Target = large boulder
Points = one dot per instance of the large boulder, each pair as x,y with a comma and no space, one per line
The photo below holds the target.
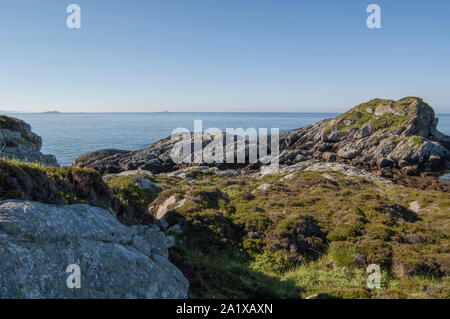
17,141
39,241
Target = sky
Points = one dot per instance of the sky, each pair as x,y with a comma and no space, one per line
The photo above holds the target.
221,55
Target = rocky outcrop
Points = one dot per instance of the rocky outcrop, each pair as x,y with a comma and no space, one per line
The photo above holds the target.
377,135
39,241
18,142
155,158
103,161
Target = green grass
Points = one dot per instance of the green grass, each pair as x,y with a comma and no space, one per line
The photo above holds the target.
324,277
359,116
417,140
54,185
318,235
130,193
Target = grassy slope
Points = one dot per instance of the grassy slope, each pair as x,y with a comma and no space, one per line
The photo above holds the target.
313,233
68,185
54,185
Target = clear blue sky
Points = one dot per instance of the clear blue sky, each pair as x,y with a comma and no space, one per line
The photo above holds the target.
221,55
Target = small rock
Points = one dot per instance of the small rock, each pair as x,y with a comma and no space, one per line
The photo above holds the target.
268,170
170,241
135,172
176,229
415,206
287,177
383,109
329,157
228,173
146,184
164,207
263,187
317,296
186,200
327,176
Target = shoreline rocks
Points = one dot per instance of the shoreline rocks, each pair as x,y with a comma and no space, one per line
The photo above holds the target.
18,142
377,136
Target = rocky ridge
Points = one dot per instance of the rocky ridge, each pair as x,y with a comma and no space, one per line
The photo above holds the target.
379,136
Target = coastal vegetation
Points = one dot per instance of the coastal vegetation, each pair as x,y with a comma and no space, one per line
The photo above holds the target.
280,236
312,233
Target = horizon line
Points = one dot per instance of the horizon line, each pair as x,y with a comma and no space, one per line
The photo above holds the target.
181,112
163,112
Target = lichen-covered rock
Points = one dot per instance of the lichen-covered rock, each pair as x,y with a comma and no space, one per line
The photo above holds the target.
377,134
17,141
163,209
39,241
157,158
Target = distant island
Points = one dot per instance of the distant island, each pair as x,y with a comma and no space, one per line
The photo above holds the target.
51,112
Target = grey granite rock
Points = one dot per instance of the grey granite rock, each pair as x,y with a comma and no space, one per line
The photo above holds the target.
377,134
39,241
18,142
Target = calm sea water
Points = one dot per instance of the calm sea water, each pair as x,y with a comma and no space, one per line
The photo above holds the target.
68,135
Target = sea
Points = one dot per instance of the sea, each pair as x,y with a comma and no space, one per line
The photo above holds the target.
67,135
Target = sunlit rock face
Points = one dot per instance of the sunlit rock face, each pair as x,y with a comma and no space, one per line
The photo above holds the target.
18,142
39,241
